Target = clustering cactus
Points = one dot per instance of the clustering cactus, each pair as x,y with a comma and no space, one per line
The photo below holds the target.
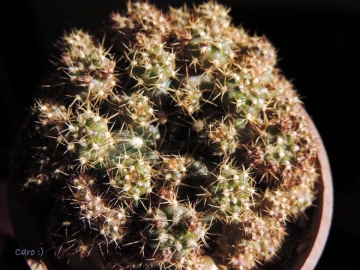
178,146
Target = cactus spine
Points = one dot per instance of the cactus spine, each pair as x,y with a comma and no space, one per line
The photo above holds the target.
181,145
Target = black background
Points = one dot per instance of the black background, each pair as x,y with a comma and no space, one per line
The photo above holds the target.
318,48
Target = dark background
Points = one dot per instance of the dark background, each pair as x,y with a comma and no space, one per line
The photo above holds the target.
318,50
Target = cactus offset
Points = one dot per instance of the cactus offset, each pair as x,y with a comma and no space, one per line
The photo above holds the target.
181,145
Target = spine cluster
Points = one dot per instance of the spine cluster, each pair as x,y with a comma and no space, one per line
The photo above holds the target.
180,145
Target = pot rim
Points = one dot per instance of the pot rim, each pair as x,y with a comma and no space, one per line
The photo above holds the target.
325,206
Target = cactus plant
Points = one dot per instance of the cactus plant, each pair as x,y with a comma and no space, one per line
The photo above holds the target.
176,143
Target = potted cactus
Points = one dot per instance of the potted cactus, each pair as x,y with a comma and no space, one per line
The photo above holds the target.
174,143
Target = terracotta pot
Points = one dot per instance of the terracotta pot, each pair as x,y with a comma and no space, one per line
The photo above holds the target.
322,213
311,229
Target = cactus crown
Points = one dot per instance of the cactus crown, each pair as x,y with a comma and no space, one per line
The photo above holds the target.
181,145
